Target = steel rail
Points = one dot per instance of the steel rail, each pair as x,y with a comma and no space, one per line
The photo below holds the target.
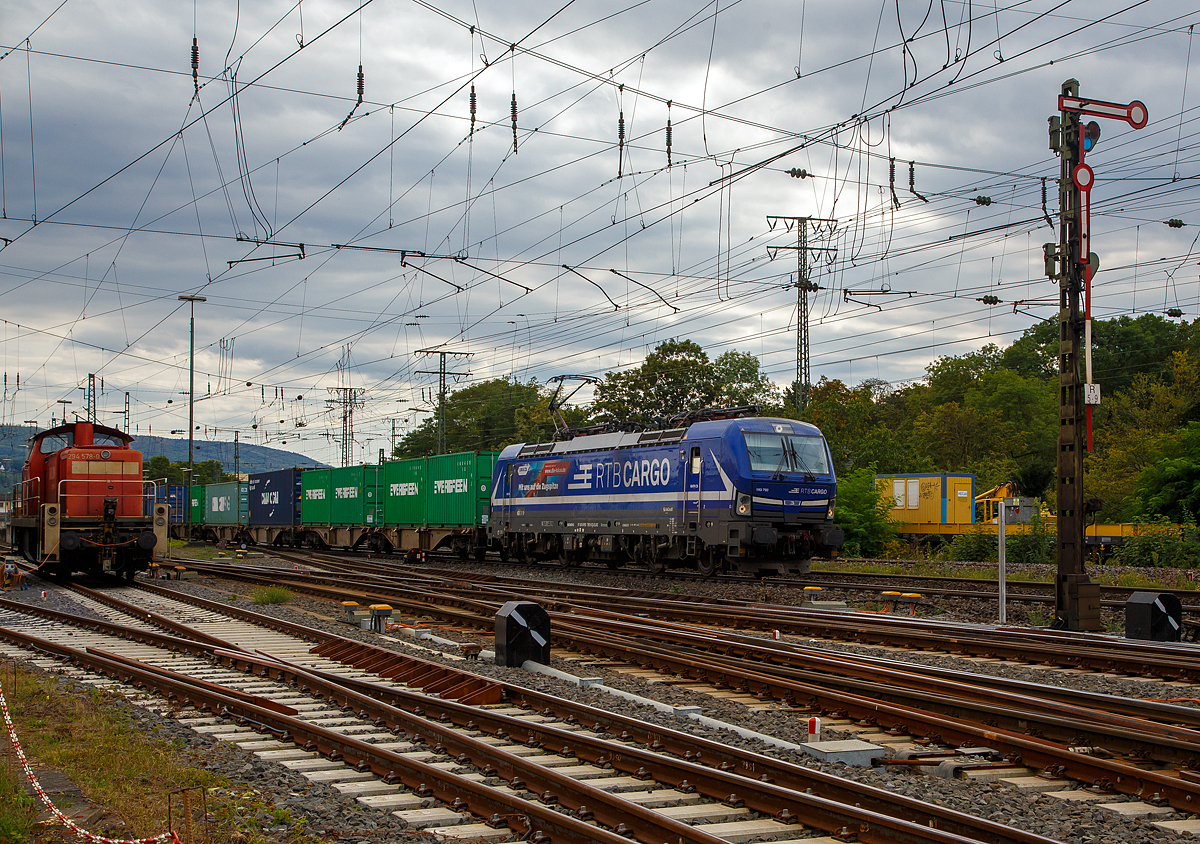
874,822
1057,718
381,703
1064,650
446,681
1049,756
717,755
423,778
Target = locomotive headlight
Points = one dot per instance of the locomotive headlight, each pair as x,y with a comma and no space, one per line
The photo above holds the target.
743,504
829,513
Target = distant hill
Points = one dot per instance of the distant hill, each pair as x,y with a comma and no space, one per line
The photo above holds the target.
253,458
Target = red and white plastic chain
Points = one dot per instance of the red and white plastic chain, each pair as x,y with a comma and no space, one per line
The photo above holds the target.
63,819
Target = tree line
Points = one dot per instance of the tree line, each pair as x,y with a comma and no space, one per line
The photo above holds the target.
992,412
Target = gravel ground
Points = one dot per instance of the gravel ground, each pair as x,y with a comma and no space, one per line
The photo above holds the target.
326,812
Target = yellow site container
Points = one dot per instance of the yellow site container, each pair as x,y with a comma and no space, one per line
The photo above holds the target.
930,498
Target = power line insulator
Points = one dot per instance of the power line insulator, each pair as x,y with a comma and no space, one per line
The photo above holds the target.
620,142
1174,312
473,104
1175,223
797,173
514,121
196,63
990,300
983,200
912,181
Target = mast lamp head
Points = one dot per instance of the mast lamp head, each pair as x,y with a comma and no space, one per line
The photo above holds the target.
1091,134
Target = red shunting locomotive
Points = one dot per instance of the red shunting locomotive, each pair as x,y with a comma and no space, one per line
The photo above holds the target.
82,505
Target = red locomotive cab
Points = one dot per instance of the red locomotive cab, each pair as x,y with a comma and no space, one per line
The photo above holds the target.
98,465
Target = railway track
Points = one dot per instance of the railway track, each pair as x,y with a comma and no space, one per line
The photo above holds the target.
873,585
1025,723
499,761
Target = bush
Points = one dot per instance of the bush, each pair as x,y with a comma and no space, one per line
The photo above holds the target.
1162,544
975,546
1035,546
270,595
864,513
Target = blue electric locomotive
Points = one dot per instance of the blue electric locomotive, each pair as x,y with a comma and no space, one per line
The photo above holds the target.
743,494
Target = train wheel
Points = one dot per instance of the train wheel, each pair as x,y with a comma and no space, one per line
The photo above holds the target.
657,566
706,563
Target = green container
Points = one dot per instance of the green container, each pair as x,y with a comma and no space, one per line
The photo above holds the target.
404,492
196,505
356,496
373,495
227,503
316,497
458,489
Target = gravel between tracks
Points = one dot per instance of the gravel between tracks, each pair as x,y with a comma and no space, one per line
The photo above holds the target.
328,813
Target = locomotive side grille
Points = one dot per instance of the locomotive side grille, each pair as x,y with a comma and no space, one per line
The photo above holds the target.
105,467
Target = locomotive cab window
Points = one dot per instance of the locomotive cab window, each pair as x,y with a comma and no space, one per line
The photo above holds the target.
99,438
777,453
55,442
696,460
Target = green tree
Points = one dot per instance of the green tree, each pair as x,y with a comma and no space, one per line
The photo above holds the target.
863,511
481,417
1135,429
1170,487
210,472
676,377
740,381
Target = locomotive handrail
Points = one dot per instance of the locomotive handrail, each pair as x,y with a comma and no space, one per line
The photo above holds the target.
20,505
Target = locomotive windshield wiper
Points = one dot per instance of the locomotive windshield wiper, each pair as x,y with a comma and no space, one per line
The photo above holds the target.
777,475
798,461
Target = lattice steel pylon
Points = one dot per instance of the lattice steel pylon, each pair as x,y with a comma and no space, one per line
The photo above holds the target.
803,383
442,374
347,398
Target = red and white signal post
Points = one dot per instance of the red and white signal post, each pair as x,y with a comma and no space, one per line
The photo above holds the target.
1072,262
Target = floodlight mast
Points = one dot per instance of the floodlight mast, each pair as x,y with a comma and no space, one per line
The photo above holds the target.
1072,263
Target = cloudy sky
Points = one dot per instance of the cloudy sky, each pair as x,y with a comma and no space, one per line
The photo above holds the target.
333,239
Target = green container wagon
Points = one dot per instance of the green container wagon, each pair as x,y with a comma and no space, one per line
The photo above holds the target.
356,496
196,505
458,489
316,496
227,503
404,492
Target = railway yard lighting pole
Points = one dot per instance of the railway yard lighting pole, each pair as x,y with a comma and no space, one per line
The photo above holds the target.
191,300
1072,263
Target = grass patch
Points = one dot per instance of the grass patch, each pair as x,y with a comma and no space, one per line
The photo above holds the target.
122,767
270,595
17,810
195,550
1134,580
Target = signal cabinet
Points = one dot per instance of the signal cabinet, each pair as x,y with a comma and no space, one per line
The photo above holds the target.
938,498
